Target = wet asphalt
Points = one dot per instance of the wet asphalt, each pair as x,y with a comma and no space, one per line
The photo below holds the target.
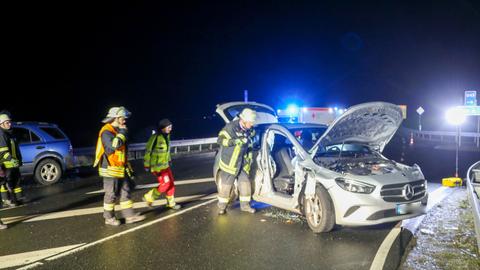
196,239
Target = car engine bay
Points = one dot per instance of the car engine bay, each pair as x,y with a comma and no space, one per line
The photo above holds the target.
358,166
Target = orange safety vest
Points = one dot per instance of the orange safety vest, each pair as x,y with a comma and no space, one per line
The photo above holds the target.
116,161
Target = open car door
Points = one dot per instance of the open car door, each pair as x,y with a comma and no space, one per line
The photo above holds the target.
230,111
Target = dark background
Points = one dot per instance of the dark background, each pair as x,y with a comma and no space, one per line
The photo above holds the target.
68,64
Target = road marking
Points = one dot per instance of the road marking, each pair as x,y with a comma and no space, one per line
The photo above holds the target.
95,210
32,256
8,208
85,246
177,183
382,252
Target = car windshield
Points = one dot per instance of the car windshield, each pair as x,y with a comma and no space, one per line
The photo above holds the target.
307,136
344,150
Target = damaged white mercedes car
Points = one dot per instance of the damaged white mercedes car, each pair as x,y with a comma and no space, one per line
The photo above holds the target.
333,175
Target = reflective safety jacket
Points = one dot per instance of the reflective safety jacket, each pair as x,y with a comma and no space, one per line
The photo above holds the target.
157,153
235,148
111,152
10,156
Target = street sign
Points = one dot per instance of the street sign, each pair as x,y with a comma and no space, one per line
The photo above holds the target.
420,110
470,110
470,98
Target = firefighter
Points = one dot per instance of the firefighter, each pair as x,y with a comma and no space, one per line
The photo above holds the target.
10,161
235,141
157,160
111,159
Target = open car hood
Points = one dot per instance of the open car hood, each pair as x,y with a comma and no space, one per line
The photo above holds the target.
229,111
372,124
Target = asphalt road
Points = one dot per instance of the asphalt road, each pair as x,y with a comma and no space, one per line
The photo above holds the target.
62,227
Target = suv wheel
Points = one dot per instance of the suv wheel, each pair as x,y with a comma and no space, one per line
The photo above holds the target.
48,171
319,211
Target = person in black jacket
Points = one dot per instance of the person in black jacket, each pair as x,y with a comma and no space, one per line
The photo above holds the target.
10,161
235,141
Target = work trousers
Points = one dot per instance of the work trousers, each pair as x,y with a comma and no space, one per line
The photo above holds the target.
225,186
10,189
117,188
166,182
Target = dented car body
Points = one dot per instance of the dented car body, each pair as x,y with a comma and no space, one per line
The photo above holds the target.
335,174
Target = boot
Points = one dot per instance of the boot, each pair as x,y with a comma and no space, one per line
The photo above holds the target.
174,207
222,208
9,203
135,218
245,206
112,221
171,203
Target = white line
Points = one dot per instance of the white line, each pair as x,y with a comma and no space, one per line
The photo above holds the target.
177,183
32,256
30,266
130,230
93,210
382,252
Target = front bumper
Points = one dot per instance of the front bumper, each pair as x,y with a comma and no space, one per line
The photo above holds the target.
354,209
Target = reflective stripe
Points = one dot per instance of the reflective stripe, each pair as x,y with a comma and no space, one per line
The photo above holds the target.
6,155
226,168
3,189
3,149
115,142
224,133
110,171
171,200
126,204
236,153
223,200
244,198
17,190
122,137
108,206
14,149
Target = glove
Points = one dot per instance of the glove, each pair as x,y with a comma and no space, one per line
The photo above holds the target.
240,141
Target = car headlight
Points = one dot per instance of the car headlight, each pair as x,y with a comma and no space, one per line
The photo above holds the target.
354,186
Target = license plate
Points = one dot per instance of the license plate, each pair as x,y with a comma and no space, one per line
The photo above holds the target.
403,209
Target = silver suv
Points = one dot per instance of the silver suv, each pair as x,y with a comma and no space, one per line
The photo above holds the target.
335,174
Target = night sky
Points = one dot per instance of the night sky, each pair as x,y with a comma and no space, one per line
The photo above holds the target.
179,59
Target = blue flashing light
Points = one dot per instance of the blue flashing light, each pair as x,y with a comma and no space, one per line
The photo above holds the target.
292,109
336,108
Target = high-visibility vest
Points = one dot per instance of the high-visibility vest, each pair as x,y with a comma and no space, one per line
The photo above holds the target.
157,153
116,161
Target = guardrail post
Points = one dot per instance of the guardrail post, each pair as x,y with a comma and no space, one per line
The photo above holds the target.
188,148
200,148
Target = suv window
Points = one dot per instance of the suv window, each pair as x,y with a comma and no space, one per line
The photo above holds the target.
25,136
53,132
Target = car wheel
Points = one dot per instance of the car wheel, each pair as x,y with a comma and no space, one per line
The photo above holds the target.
319,211
48,172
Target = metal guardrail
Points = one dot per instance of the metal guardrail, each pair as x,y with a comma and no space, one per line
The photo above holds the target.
473,188
446,136
84,156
